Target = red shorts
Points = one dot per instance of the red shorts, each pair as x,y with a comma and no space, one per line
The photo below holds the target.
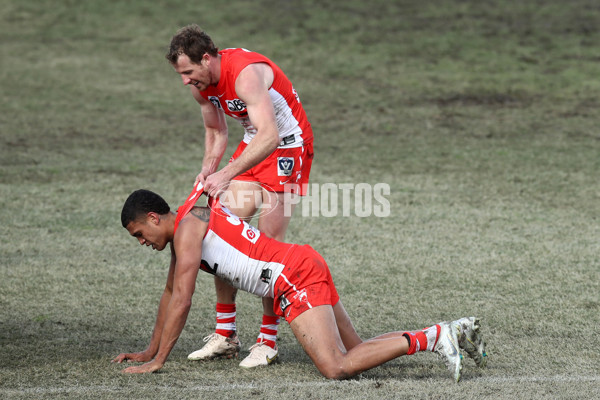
284,171
304,283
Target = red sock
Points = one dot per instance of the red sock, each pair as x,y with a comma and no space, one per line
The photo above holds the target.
268,331
422,340
225,319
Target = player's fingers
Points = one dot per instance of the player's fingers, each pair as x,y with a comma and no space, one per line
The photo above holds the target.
210,188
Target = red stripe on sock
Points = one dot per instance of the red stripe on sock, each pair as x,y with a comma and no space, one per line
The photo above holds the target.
268,331
417,338
225,308
270,320
267,342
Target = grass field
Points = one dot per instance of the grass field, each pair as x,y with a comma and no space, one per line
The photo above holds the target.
481,116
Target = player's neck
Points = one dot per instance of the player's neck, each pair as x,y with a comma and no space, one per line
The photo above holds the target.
169,220
216,69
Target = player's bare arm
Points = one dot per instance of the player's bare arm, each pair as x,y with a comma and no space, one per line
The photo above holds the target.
187,247
215,137
252,87
149,353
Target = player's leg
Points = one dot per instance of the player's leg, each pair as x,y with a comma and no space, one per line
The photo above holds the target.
241,198
277,174
275,215
273,222
345,327
317,330
318,333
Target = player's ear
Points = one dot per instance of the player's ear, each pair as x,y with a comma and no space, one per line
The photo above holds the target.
153,218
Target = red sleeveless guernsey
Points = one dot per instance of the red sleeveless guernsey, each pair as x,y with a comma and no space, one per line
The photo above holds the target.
292,124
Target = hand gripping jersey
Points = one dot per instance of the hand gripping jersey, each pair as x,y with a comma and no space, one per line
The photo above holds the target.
237,252
296,276
292,124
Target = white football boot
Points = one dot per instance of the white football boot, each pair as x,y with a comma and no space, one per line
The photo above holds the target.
217,346
260,354
471,341
447,347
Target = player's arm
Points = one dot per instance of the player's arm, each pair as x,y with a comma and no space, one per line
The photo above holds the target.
162,310
252,87
188,247
152,348
215,137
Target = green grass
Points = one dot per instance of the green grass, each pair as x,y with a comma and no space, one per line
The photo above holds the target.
482,117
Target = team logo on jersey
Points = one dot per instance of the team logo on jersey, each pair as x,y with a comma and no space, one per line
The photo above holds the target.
215,101
251,233
285,165
236,105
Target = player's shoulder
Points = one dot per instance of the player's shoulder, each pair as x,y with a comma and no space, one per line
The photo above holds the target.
193,225
201,213
240,56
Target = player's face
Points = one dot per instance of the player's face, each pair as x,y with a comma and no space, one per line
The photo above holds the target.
197,75
148,232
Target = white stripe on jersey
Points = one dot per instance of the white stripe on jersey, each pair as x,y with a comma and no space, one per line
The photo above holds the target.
238,269
287,124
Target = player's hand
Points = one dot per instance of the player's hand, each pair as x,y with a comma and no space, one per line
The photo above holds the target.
141,356
152,366
200,178
217,183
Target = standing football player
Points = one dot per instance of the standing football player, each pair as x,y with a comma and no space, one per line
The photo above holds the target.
271,163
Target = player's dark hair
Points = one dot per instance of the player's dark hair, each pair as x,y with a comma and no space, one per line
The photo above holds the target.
141,202
192,41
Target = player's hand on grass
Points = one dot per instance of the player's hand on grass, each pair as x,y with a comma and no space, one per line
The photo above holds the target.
144,368
141,356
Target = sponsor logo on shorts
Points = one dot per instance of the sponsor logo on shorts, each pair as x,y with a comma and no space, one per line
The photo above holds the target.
285,165
283,303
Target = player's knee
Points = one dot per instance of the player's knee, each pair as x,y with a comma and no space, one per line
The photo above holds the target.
335,371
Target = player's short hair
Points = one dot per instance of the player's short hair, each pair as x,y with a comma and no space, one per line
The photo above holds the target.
192,41
140,203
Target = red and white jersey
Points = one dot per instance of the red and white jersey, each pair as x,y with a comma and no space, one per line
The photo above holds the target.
238,253
292,124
